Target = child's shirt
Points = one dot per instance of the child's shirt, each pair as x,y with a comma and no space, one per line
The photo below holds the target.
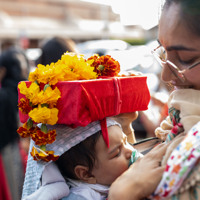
85,191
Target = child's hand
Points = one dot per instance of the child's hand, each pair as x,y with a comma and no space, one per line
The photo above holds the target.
126,119
164,129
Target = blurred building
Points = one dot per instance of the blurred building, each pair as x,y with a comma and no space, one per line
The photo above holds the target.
28,21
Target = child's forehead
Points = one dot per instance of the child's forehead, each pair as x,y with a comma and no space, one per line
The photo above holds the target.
115,130
116,136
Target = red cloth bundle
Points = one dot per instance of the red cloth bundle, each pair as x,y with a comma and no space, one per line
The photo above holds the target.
85,101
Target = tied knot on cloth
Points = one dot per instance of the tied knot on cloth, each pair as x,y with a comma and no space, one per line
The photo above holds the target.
186,102
177,126
97,113
67,137
184,112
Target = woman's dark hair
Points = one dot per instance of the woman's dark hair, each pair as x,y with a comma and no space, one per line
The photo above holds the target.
10,60
53,49
82,154
190,13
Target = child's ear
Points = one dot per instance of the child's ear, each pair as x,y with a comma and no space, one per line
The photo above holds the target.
83,174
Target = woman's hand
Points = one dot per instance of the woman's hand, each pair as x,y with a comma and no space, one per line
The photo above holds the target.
142,178
126,119
172,145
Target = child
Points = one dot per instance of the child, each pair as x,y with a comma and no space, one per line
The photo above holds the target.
87,164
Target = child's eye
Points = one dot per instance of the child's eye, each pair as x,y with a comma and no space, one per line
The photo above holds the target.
118,154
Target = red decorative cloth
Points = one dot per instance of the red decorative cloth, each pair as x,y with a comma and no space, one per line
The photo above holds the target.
85,101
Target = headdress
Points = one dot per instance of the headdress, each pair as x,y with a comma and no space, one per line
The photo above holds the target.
75,92
67,99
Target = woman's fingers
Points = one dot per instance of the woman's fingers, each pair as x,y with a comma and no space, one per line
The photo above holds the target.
142,178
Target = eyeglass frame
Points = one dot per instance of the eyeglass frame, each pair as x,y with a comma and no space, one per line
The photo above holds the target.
174,69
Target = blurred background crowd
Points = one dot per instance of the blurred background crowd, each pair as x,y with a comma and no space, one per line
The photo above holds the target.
39,31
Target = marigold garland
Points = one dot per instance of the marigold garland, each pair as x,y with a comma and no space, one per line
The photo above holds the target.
41,95
105,65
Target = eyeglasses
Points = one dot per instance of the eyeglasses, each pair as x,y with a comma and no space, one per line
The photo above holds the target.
161,56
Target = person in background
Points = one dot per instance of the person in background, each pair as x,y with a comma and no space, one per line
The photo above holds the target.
14,67
53,48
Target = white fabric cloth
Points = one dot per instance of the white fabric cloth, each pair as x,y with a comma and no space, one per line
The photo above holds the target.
53,185
88,191
188,102
66,138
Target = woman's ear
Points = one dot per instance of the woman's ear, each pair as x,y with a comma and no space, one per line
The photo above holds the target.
83,174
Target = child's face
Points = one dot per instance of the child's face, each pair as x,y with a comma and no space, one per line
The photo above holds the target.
113,161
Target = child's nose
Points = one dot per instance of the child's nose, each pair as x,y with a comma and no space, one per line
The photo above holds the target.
128,153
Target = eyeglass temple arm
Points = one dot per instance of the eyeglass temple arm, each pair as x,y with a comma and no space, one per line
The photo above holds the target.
194,65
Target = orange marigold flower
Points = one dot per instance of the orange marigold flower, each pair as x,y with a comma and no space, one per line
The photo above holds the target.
23,131
105,65
42,138
24,106
43,155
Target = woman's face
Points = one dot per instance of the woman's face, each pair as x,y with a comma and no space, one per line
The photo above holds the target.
182,47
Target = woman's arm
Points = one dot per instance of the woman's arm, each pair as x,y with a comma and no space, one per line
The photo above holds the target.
142,178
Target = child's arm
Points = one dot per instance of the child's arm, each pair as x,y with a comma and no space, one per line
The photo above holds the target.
126,119
164,129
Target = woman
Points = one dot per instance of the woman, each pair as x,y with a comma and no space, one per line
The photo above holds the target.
179,54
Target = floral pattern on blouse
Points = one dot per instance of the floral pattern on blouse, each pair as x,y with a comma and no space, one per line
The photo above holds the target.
181,162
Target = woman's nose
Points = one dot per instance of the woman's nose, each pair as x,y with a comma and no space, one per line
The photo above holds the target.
167,74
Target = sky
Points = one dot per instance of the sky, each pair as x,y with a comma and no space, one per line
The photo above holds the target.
135,12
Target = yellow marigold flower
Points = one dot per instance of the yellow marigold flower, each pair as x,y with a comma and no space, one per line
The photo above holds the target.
23,88
33,76
44,73
76,67
49,74
44,115
70,75
33,92
49,96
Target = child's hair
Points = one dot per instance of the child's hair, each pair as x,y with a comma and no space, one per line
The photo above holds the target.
82,154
